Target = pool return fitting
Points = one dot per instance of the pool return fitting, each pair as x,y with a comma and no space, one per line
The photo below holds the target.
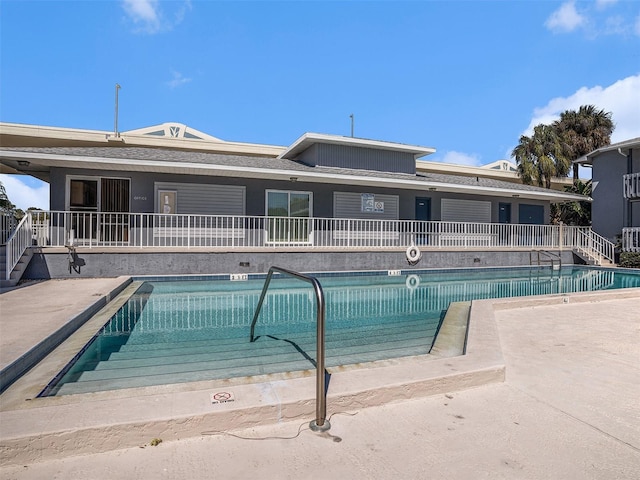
320,424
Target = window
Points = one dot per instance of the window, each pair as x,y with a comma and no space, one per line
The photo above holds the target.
291,213
83,195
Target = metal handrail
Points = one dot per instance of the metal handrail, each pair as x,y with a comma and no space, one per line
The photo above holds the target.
320,424
551,256
17,244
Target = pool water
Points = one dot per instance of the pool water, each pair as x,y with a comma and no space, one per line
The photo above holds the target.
184,331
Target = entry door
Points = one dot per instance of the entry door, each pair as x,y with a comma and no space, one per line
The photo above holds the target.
83,201
423,209
531,214
114,202
504,215
423,214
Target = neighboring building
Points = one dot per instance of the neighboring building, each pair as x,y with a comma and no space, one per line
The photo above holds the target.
616,191
152,169
499,170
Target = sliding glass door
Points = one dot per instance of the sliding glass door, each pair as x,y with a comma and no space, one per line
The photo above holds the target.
100,209
289,217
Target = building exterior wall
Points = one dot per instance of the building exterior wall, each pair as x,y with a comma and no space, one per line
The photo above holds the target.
610,211
361,158
144,192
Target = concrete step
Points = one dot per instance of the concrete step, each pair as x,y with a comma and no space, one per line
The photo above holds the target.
18,270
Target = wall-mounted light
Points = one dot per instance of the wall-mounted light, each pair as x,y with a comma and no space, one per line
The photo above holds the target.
24,163
515,196
432,189
293,179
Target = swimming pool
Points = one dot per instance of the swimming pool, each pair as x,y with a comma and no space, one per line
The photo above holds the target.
198,329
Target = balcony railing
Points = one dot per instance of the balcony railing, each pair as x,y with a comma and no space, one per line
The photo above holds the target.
631,185
147,230
631,239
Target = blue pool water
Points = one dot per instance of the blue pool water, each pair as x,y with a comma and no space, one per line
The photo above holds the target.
190,330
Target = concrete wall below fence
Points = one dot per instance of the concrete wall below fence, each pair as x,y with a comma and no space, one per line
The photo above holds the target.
46,265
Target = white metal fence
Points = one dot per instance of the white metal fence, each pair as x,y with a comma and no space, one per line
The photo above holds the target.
631,239
147,230
227,233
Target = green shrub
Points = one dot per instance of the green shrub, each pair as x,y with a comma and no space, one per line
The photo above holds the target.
630,259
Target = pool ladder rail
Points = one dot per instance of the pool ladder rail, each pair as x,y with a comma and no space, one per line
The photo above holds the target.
320,424
550,257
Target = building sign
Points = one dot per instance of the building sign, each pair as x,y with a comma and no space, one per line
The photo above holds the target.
167,201
370,205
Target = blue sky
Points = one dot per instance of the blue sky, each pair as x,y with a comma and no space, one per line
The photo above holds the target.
465,77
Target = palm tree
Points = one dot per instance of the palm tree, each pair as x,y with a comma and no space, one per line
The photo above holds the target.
583,131
541,157
574,213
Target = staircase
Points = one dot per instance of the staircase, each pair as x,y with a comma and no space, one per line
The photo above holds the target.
18,270
594,249
593,257
15,251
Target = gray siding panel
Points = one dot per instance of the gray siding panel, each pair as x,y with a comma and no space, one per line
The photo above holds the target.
203,199
349,205
340,156
455,210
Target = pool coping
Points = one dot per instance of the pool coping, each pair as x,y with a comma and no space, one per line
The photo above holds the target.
14,370
59,426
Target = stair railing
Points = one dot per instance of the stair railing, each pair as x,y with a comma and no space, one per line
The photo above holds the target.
596,246
320,424
17,244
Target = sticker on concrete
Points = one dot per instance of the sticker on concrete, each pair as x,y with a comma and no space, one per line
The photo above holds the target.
222,397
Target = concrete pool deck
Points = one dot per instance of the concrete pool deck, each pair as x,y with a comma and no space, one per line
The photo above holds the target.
567,408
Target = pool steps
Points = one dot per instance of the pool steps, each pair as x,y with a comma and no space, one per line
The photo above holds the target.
239,358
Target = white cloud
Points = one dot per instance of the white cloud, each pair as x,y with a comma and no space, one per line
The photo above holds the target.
616,25
144,14
148,17
621,99
565,19
459,158
593,19
25,196
177,80
602,4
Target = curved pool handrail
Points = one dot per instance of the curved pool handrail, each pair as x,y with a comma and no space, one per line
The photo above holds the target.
320,424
